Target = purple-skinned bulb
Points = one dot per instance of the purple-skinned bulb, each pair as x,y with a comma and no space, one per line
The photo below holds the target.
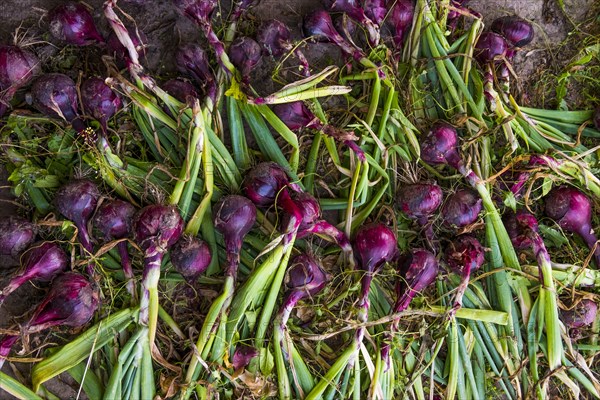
274,37
72,23
244,54
181,90
490,47
515,30
192,60
375,10
440,145
581,315
419,200
264,182
16,234
374,245
199,11
190,257
400,20
55,95
242,356
296,116
572,210
319,26
17,68
99,100
417,269
519,225
461,208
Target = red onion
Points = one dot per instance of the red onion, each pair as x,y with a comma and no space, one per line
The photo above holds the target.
192,60
77,201
274,38
198,10
233,217
99,100
264,182
417,270
419,200
113,220
72,23
71,301
245,54
440,146
319,26
374,245
242,356
516,30
461,208
16,234
490,47
17,68
190,257
464,255
519,225
375,10
181,90
401,19
356,12
55,95
581,315
572,210
41,263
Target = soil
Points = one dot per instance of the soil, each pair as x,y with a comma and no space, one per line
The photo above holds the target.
165,29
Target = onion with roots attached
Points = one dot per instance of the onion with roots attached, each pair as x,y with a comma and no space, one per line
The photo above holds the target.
417,269
72,301
77,201
99,101
16,234
40,263
55,95
191,257
264,182
572,210
461,208
17,68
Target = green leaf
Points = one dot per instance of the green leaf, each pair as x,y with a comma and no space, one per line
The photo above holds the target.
546,185
82,347
16,388
267,362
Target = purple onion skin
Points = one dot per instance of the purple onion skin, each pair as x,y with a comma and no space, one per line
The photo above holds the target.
264,182
199,11
17,68
490,47
274,37
99,100
77,201
519,225
309,212
242,356
245,54
419,200
401,19
418,269
16,234
462,208
55,95
572,210
465,255
346,26
582,315
113,220
356,12
296,116
190,257
319,26
192,60
515,30
157,227
72,23
181,90
71,301
305,277
41,263
375,10
440,145
374,245
233,217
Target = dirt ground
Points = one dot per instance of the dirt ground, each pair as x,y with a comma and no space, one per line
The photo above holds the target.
165,29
